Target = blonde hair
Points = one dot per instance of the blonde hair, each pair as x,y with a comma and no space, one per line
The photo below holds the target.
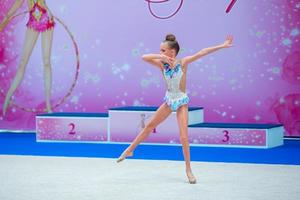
39,2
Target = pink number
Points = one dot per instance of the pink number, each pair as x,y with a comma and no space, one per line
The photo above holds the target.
226,136
72,126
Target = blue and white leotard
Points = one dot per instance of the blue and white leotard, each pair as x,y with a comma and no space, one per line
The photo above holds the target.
175,80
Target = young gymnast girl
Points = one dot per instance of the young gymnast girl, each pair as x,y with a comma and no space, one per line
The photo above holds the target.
40,21
176,99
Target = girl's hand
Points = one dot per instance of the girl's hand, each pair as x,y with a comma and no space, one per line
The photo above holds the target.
228,42
1,27
168,60
51,19
3,24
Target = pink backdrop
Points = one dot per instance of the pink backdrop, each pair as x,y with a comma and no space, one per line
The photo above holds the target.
257,81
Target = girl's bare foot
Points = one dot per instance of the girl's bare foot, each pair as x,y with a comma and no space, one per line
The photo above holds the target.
124,155
191,177
5,105
49,110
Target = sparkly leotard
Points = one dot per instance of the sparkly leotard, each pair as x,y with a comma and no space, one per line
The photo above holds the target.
39,18
175,79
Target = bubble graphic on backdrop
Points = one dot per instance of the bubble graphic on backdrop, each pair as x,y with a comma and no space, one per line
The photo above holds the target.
291,68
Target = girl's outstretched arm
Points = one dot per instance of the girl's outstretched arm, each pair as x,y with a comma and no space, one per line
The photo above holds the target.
187,60
11,12
158,59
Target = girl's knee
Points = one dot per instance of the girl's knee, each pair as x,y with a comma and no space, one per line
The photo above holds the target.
47,63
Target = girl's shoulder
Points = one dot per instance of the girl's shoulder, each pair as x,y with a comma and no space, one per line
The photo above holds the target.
182,64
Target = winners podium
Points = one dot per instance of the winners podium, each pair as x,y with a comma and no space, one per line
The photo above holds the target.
122,124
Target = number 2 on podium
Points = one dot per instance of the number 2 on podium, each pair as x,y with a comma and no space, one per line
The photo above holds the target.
72,131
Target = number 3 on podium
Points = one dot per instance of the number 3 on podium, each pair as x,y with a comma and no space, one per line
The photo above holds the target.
226,136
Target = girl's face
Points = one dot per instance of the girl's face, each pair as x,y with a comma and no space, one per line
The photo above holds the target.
165,50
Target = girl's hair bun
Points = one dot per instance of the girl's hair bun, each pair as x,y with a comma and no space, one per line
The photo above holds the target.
170,37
